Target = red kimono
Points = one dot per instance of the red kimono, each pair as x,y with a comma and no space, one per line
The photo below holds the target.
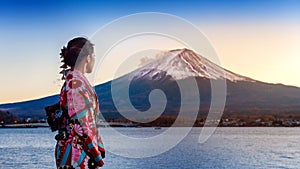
82,148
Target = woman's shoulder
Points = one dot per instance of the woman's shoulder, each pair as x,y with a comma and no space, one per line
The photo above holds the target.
74,74
75,81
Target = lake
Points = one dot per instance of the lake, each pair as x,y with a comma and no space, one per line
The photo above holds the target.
228,147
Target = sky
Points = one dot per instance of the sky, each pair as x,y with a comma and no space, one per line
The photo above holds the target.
254,38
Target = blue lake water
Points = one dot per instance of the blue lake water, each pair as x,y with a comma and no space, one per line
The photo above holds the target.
227,148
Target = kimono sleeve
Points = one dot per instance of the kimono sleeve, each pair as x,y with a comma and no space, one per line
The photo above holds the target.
80,110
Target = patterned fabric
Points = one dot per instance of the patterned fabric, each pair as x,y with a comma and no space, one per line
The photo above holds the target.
82,146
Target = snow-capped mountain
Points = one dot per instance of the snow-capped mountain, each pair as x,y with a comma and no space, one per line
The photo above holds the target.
184,63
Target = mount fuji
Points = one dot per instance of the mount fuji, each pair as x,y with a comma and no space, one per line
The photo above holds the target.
244,95
184,63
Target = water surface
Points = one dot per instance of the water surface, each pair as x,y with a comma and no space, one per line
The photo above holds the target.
228,148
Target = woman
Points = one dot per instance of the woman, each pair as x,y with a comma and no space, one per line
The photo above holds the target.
79,143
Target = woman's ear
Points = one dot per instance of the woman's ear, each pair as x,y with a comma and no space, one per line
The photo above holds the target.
88,58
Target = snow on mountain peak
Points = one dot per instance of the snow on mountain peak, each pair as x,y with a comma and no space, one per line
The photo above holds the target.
184,63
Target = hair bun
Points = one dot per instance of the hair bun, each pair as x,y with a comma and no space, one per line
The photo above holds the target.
64,52
63,55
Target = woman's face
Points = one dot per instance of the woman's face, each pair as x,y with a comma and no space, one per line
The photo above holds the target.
91,63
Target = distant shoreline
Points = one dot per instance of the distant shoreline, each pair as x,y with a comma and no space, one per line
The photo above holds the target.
155,127
25,125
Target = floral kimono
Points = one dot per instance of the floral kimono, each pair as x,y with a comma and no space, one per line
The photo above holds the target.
81,146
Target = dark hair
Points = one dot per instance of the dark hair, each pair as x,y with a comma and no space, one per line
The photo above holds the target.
75,51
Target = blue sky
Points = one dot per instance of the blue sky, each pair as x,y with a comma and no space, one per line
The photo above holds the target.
32,33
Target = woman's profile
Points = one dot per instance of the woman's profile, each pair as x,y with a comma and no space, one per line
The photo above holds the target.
79,145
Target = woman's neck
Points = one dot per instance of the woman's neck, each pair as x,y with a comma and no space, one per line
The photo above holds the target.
80,69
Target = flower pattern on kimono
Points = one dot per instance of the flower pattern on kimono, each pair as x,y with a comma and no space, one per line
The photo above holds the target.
75,84
86,162
77,129
76,154
75,102
77,143
75,135
88,129
70,76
